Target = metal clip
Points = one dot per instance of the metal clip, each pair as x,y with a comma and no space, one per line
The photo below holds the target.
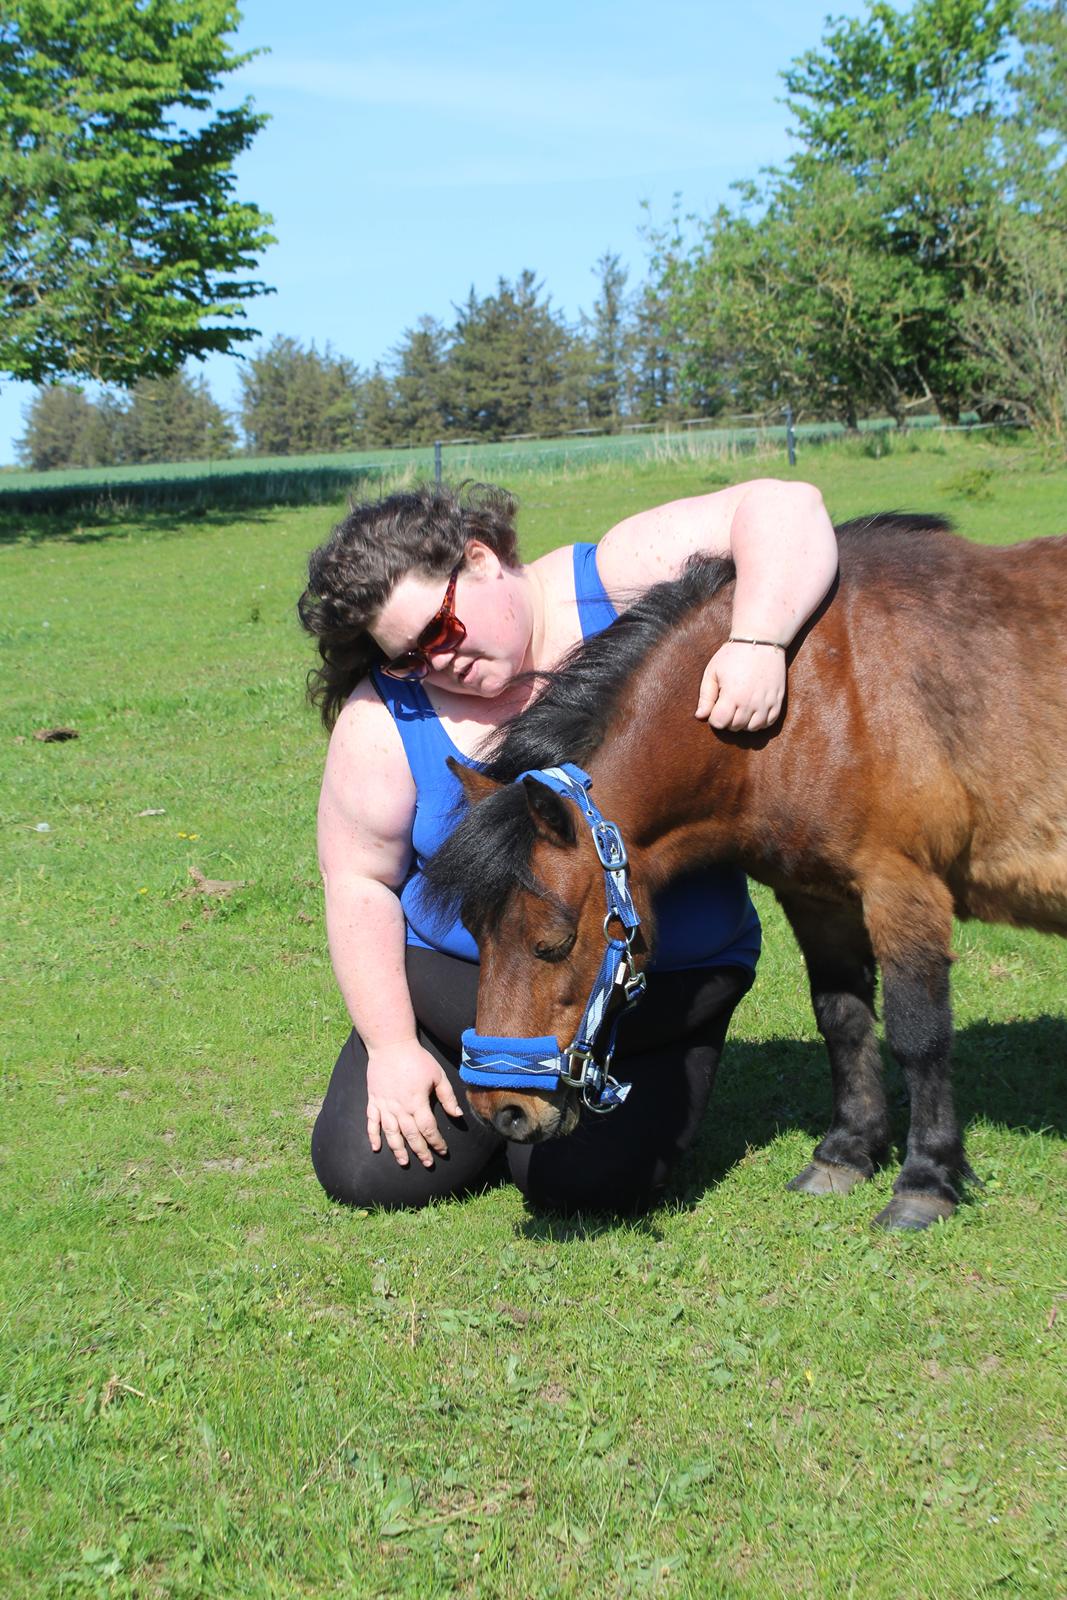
635,988
609,846
577,1072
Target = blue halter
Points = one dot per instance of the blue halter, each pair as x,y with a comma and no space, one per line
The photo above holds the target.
525,1064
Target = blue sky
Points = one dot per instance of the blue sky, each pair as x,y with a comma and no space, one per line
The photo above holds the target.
415,150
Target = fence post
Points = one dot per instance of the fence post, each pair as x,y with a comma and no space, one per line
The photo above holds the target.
437,461
790,436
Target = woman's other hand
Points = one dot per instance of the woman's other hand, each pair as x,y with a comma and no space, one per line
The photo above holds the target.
743,687
401,1080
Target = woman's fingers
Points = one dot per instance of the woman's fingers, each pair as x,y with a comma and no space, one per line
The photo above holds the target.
402,1133
431,1133
416,1140
395,1140
709,692
447,1097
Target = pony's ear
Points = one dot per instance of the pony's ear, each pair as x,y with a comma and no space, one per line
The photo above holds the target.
476,786
553,817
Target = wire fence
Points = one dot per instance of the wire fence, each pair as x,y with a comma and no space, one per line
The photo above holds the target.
320,479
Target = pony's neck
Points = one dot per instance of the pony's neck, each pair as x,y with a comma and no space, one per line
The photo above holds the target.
672,783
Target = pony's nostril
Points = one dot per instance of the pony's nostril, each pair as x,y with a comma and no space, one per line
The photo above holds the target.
510,1121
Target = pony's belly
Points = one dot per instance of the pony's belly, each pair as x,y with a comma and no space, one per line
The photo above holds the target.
1026,887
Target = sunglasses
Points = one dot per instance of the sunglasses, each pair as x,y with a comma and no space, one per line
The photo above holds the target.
444,631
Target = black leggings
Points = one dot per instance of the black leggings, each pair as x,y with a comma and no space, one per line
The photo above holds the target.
669,1048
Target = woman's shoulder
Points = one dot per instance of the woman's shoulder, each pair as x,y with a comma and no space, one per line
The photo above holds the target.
562,627
555,568
367,800
365,733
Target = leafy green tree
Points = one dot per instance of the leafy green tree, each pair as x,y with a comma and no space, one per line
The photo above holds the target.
1016,323
905,105
840,283
880,79
1017,329
295,401
1036,136
123,249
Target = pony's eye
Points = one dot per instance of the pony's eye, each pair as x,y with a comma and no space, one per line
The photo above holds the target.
555,952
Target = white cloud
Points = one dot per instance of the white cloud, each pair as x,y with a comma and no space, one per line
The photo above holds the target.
614,107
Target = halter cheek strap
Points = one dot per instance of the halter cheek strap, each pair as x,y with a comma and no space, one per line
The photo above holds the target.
525,1064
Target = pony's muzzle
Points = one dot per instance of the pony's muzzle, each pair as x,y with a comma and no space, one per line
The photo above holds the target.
524,1119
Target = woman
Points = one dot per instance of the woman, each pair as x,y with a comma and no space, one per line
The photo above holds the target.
425,620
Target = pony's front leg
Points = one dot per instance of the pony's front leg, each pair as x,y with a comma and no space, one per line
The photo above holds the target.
909,917
841,969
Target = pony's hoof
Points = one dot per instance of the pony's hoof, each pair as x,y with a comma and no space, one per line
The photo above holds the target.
914,1211
820,1177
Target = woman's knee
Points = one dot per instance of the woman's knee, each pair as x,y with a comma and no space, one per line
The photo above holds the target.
355,1175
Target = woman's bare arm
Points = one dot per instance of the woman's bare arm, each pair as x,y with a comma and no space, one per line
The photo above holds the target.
366,810
783,546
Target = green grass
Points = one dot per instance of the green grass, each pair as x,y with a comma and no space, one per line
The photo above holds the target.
214,1382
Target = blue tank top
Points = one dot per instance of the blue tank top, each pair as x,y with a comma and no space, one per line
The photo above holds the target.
705,919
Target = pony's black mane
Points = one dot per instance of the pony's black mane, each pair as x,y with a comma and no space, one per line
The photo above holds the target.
487,856
570,716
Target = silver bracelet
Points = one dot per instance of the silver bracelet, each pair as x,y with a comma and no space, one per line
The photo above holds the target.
733,639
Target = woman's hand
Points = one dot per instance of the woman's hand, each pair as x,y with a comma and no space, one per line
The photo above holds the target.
400,1081
743,687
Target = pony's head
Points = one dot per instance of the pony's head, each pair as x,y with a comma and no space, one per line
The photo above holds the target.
524,871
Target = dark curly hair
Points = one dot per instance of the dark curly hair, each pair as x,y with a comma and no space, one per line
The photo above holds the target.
352,575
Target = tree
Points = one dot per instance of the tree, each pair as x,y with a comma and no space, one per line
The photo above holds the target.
420,410
609,335
159,419
654,376
122,247
512,363
62,430
174,419
1017,331
377,411
296,401
1016,324
841,281
905,106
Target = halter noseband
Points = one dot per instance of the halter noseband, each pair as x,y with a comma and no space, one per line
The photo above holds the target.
525,1064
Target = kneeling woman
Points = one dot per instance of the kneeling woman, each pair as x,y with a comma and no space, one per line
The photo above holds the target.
425,620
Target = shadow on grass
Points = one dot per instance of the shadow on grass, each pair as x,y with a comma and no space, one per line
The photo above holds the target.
1013,1074
97,528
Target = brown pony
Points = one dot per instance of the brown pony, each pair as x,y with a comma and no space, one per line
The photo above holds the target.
918,770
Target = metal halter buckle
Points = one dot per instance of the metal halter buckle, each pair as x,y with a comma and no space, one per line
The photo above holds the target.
609,846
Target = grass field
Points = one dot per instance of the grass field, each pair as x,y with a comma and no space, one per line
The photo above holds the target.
214,1382
190,487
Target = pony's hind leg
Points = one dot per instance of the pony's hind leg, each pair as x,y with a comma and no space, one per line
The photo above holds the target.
842,973
909,916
